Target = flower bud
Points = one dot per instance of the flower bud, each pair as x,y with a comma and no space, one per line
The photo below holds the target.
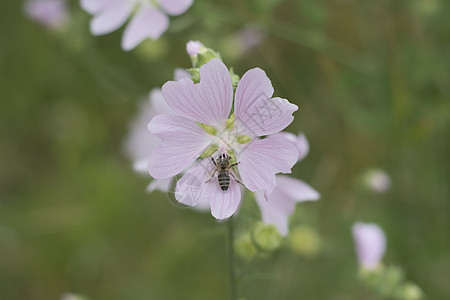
266,237
243,246
304,240
410,291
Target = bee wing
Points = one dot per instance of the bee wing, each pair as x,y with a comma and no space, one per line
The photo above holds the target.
211,174
235,176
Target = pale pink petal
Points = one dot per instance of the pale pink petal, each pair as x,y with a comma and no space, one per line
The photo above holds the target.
207,102
148,22
370,243
159,104
51,13
295,189
275,210
223,203
299,141
257,113
263,158
111,18
303,146
162,185
139,143
182,142
181,74
175,7
280,205
94,6
189,188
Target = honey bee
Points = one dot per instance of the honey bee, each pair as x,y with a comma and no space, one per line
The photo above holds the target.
224,170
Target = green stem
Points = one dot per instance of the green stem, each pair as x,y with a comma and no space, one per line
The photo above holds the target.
231,260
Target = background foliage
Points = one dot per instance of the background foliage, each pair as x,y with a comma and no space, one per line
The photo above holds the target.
372,82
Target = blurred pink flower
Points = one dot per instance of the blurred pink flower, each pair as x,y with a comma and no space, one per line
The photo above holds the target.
50,13
193,48
370,243
139,143
210,102
149,21
280,205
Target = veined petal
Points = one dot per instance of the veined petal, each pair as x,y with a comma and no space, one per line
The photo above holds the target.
257,113
223,203
189,188
175,7
262,159
207,102
370,243
182,142
149,22
111,17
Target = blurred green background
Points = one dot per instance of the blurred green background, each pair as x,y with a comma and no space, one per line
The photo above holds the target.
372,79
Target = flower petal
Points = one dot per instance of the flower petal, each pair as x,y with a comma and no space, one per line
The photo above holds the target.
189,187
94,6
181,74
370,243
280,205
111,18
223,203
175,7
257,113
149,22
295,189
262,159
182,142
209,101
275,210
162,185
303,146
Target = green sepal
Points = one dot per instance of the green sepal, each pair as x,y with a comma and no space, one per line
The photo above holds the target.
209,129
205,56
208,152
230,122
234,78
195,75
243,139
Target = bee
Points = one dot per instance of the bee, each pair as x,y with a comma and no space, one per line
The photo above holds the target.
224,170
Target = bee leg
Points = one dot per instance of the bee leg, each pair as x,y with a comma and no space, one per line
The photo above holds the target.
212,176
237,180
214,162
235,164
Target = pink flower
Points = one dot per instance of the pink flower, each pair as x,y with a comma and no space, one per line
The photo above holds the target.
50,13
149,21
210,102
139,143
370,243
280,205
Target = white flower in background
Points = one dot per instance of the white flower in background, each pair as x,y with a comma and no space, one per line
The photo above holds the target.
289,191
378,180
150,19
370,243
50,13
